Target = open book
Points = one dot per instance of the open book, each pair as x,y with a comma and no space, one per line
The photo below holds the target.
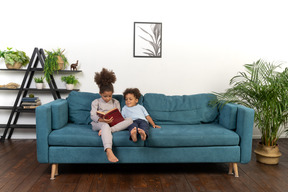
115,113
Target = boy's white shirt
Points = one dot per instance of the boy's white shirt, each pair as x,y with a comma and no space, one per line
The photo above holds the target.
135,112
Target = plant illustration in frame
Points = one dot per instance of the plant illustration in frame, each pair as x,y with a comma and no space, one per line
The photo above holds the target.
147,39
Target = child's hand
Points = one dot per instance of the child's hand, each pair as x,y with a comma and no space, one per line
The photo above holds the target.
156,126
108,120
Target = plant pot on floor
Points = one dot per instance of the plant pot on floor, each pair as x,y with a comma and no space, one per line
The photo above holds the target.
267,154
39,85
16,65
69,86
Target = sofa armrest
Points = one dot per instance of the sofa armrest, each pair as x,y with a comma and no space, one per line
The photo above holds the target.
49,116
245,124
241,119
43,129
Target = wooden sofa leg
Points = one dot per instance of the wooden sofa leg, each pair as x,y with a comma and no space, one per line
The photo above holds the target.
233,167
230,169
56,172
54,169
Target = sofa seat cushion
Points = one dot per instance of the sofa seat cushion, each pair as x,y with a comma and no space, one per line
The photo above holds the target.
84,136
192,135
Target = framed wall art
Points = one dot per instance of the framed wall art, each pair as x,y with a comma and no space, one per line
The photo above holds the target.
147,39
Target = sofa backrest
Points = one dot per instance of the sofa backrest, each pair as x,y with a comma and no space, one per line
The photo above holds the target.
185,109
79,105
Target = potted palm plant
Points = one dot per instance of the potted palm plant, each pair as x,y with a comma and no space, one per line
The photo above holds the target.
39,82
14,59
70,81
54,61
265,89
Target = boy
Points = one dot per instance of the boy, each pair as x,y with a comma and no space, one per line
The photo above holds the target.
138,114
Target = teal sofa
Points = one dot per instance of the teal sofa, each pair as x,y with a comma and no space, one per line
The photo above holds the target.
191,131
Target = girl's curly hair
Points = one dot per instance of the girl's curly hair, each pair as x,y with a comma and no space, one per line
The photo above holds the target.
133,91
104,80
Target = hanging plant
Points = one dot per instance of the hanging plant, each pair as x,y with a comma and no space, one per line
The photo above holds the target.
55,60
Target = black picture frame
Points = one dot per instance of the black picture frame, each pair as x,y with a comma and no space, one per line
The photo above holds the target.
147,39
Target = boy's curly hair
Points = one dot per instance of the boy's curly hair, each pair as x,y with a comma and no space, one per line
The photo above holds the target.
104,80
133,91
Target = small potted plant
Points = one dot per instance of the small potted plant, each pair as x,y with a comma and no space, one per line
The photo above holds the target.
14,59
39,82
70,81
54,61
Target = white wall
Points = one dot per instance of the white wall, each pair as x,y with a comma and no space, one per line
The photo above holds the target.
205,42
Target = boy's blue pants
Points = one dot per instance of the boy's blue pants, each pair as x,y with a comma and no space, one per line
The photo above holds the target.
139,123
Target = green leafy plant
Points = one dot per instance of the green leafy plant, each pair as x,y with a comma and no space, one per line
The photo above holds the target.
71,79
52,62
12,57
265,90
39,80
155,41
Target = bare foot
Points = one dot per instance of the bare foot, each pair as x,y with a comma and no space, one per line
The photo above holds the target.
142,133
99,133
110,155
134,134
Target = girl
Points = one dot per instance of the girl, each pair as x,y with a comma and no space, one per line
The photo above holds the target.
105,80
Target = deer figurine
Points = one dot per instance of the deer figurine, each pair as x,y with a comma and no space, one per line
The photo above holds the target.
74,66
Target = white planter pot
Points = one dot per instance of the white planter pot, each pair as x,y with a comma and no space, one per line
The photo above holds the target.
39,85
69,86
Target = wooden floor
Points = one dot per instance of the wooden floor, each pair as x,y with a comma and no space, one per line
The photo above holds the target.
21,172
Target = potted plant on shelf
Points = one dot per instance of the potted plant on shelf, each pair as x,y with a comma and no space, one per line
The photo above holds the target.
14,59
39,82
54,61
70,81
265,89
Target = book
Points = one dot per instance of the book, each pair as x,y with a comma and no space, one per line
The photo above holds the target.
31,103
29,107
30,99
115,113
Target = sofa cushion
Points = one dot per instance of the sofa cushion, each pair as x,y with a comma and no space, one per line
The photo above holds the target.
84,136
228,116
79,105
201,135
186,109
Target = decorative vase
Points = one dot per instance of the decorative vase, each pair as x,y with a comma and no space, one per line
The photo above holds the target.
69,86
267,154
16,65
39,85
60,63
